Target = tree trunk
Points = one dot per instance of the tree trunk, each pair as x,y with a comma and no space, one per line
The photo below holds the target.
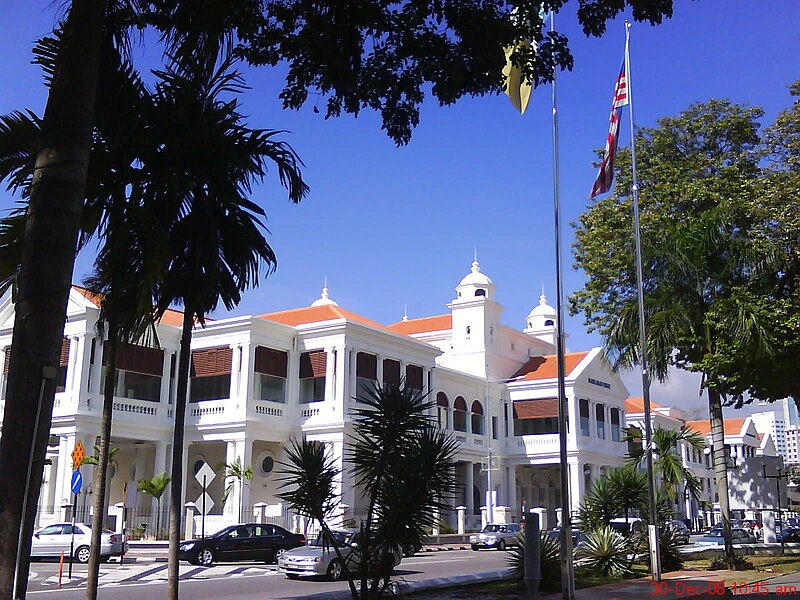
48,259
176,489
721,471
93,572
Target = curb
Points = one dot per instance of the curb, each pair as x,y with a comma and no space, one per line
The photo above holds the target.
408,587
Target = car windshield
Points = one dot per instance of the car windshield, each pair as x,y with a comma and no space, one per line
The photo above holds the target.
494,529
717,533
341,537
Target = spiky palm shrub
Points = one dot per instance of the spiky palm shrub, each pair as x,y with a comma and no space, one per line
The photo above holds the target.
599,506
550,556
605,552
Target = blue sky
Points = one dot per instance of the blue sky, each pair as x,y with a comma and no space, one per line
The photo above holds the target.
393,227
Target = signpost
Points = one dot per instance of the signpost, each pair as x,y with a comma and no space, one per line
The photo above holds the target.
76,483
204,476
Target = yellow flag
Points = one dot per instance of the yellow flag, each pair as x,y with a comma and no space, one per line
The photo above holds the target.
518,91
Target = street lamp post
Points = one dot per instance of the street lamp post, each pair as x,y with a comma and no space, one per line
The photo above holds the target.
777,478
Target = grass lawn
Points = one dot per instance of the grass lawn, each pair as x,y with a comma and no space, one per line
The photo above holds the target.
764,567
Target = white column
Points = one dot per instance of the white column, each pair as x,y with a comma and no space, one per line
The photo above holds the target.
293,383
97,367
239,498
236,366
468,485
330,370
164,398
576,487
351,384
139,463
511,489
340,381
65,447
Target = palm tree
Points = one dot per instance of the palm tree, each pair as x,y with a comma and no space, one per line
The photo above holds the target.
668,462
155,488
630,485
600,505
198,178
403,465
235,474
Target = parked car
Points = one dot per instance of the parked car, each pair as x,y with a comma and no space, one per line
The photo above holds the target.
251,541
739,536
626,527
789,534
52,540
498,536
320,558
680,531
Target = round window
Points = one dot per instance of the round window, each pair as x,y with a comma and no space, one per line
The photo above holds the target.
267,465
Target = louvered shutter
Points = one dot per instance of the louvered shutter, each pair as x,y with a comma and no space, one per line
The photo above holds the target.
313,364
271,362
366,366
391,372
414,377
211,362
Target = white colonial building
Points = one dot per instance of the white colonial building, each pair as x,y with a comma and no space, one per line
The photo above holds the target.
258,381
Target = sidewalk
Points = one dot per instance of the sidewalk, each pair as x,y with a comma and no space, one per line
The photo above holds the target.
680,584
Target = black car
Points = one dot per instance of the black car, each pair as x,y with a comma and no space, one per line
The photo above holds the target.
251,542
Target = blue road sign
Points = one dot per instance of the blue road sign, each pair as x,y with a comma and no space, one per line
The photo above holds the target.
77,482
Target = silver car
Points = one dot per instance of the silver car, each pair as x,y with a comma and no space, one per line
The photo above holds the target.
321,559
498,536
52,540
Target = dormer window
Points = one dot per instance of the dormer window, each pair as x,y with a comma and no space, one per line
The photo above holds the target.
480,292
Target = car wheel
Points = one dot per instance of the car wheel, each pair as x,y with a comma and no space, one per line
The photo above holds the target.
278,553
501,545
335,570
82,554
474,548
205,557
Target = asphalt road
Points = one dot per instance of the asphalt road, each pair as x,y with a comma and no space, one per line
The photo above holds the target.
240,580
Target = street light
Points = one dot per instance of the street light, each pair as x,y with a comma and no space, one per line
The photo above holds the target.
777,478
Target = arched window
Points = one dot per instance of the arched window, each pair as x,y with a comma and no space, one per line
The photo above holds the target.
442,410
477,418
460,414
480,292
549,323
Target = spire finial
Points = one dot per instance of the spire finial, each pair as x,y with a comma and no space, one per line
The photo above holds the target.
405,312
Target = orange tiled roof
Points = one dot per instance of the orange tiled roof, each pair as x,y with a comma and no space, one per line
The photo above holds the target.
423,325
730,426
314,314
635,405
170,317
546,367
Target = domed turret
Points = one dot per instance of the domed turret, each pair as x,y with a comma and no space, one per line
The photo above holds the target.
475,285
324,299
541,321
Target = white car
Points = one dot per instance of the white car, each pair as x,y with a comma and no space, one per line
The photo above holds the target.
498,536
52,540
321,559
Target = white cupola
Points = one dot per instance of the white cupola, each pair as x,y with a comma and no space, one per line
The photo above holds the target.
475,285
324,299
541,321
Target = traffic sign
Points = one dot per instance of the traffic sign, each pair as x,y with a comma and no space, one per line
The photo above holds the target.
78,454
204,503
77,482
205,473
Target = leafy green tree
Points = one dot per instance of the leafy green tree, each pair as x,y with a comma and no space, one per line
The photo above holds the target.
668,462
630,485
701,266
236,474
403,465
155,488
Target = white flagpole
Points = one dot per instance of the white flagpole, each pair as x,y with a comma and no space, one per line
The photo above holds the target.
567,569
655,555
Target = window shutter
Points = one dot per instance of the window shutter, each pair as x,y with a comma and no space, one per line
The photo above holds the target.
6,360
414,377
460,404
366,366
477,409
441,400
313,364
271,362
391,372
212,361
536,409
63,359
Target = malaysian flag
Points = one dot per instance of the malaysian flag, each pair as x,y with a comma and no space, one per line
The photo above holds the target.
606,175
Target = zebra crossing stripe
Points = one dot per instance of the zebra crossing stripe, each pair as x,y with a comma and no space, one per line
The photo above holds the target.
145,573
